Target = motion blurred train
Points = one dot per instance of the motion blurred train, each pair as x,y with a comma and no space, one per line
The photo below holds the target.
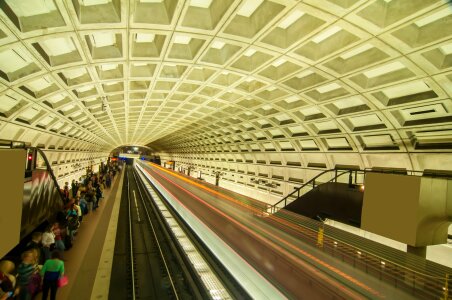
152,158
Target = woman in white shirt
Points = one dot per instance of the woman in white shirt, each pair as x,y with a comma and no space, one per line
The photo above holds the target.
48,241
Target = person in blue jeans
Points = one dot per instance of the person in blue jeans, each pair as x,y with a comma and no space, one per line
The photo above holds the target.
52,270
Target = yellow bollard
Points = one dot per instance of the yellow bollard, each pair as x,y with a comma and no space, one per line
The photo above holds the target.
320,237
446,288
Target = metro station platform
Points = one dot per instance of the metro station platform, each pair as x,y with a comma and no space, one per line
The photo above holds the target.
277,251
87,263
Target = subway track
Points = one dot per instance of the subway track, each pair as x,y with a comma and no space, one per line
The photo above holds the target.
146,262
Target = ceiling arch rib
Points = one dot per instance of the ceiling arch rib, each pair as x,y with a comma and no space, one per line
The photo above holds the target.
270,75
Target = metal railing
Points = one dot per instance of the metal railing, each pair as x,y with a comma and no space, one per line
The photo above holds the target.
355,177
335,174
403,272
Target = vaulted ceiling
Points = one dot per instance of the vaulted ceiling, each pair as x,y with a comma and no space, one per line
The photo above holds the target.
281,74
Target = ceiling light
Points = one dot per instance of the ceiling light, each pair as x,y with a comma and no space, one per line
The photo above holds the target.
446,49
182,39
304,73
144,37
327,126
38,84
409,88
290,19
94,2
74,73
385,69
218,45
13,60
326,34
348,102
103,39
201,3
108,67
46,120
356,51
250,52
365,120
328,88
27,8
278,62
58,46
7,103
292,99
68,107
56,98
310,111
29,113
446,11
248,8
84,88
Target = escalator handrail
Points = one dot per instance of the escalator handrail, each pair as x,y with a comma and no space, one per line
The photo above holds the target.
49,169
274,206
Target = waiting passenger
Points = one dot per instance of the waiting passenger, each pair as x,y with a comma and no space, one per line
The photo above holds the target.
65,192
72,221
7,280
59,244
74,188
83,203
108,180
48,242
25,271
52,270
79,210
35,243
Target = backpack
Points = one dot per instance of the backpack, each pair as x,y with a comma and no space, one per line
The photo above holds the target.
84,208
73,223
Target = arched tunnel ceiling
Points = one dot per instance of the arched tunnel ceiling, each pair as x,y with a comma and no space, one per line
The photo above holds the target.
302,75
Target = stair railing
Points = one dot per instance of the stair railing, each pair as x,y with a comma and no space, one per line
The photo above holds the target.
311,183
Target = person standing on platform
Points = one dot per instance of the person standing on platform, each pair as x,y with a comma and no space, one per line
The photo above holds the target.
7,280
74,188
25,271
36,244
52,270
59,243
48,242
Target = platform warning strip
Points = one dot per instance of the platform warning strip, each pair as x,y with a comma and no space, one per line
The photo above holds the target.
102,282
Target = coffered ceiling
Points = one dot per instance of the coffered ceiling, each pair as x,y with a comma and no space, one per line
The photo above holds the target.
273,75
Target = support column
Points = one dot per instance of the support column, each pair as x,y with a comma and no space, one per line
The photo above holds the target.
419,251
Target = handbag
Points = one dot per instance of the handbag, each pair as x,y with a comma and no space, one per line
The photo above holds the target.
34,285
62,281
